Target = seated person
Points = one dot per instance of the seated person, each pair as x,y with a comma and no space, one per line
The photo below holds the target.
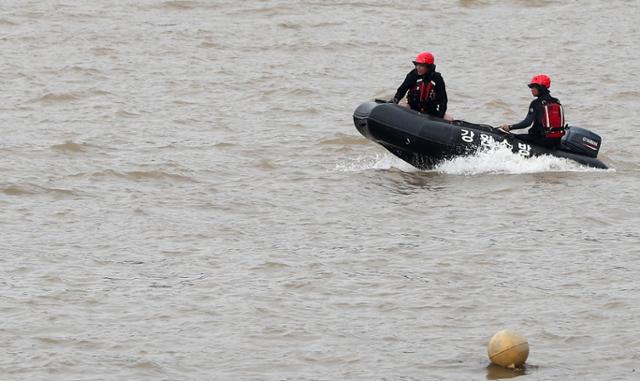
425,86
546,114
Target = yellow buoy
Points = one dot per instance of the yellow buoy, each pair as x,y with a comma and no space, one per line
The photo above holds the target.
508,348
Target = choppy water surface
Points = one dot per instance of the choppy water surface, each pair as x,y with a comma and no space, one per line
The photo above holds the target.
184,195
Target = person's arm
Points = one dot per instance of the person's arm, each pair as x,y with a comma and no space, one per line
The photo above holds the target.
409,80
441,96
528,120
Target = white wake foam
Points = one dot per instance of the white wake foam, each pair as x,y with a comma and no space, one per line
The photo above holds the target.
497,159
379,161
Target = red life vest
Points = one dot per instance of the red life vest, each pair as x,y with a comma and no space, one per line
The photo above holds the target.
426,91
420,93
552,120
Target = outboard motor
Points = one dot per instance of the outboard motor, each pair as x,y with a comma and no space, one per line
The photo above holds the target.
581,141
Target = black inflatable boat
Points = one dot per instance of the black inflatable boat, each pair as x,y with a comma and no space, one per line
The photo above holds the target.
423,141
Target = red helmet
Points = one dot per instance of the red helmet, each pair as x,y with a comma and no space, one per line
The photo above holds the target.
424,58
542,80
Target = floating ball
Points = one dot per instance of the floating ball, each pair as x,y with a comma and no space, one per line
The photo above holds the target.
508,349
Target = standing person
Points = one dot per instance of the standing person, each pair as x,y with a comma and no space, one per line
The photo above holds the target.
546,114
425,86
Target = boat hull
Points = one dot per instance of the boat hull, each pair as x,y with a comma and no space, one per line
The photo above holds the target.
423,141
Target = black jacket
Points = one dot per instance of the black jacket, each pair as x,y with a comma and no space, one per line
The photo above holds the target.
435,107
535,115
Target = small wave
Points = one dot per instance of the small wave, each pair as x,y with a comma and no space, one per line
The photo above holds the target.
615,305
126,114
265,165
273,11
187,5
485,3
293,93
301,45
84,70
156,175
310,110
472,3
5,22
29,190
493,104
343,46
53,98
344,139
50,340
142,175
379,162
501,160
270,266
145,365
103,51
100,93
224,145
535,3
182,102
69,147
15,190
208,45
57,98
180,4
326,24
290,25
627,95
